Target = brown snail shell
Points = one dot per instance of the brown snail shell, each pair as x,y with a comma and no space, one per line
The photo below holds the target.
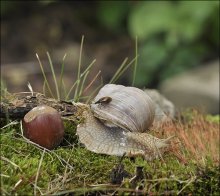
127,107
124,131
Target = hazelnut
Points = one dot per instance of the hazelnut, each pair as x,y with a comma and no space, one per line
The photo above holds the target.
43,125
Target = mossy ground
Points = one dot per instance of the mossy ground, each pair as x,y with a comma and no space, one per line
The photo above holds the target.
27,169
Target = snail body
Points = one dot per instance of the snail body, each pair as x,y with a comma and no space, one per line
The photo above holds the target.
116,123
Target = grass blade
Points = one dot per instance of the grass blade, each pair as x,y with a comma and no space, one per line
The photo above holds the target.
61,76
44,75
93,80
118,71
82,85
92,94
79,68
44,88
38,172
54,75
30,88
124,68
78,80
64,89
136,61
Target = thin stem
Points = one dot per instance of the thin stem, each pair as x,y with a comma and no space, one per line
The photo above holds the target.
118,71
125,68
136,61
87,69
82,85
64,89
93,80
91,95
79,68
61,76
44,88
38,172
54,76
44,75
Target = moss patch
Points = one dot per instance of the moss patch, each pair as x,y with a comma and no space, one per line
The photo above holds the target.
72,169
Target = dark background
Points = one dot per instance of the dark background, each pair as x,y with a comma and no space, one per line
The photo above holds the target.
173,36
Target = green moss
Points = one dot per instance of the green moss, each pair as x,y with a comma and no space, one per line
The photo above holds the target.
72,168
206,177
213,118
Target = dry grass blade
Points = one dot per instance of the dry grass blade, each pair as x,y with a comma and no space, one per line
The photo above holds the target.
30,88
93,80
38,172
94,92
198,139
15,122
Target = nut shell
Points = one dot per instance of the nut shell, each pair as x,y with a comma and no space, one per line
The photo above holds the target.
43,125
129,108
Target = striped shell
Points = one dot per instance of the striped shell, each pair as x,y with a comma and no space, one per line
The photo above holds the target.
126,107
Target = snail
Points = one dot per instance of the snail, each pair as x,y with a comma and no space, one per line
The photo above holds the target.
129,108
116,123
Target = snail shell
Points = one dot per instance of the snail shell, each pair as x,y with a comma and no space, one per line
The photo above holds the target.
127,113
127,107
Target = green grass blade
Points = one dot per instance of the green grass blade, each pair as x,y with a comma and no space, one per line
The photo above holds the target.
44,88
54,76
82,85
44,75
124,68
118,71
94,92
84,76
64,89
61,76
79,68
136,61
88,68
71,89
78,80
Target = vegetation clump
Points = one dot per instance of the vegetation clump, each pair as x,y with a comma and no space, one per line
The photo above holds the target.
189,166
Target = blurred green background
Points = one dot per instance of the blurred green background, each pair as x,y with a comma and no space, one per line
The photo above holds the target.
173,36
